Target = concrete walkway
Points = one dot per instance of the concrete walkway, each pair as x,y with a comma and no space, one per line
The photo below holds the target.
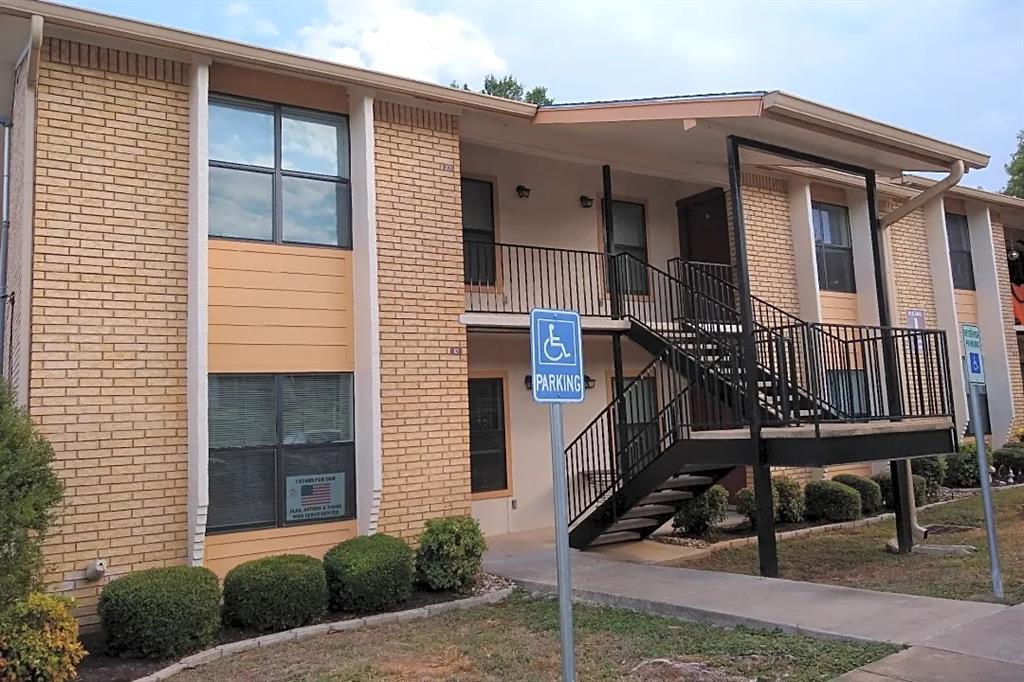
949,639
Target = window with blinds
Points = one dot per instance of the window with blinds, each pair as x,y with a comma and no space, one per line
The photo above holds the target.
478,232
958,236
834,246
281,450
487,463
629,235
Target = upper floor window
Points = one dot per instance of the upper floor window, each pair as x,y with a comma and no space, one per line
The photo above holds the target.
629,235
959,237
834,247
478,232
278,174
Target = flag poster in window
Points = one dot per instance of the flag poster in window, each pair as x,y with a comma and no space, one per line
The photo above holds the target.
314,497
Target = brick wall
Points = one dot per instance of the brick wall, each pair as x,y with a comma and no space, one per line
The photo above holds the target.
770,255
1012,348
424,403
911,266
108,314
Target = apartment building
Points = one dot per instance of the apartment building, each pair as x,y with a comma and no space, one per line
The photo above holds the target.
260,303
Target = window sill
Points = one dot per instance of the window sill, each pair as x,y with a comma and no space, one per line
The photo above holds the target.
491,495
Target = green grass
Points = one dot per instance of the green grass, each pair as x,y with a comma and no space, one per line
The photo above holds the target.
856,558
518,640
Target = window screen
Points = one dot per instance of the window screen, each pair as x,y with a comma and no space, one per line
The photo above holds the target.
959,238
488,466
478,232
629,235
847,390
834,246
281,450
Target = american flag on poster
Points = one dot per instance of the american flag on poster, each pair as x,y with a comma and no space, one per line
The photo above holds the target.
315,494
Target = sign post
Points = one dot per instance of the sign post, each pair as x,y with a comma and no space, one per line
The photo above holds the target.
976,377
556,360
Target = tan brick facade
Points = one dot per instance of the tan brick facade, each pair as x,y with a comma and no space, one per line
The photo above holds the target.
770,254
1012,347
911,267
108,314
424,402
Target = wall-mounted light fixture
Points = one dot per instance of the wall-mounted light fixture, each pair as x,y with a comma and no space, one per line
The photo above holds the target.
522,191
528,382
585,201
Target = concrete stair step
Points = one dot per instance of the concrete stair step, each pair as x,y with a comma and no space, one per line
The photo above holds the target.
685,481
618,536
633,524
666,496
645,510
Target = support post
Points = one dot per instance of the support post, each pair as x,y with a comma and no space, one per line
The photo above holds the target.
616,310
902,484
766,547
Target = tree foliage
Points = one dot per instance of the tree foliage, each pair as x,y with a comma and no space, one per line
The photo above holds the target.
1015,169
29,495
510,88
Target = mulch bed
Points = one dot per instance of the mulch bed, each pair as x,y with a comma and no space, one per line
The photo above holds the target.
97,667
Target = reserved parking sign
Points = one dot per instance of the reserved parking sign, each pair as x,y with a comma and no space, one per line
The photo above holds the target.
556,355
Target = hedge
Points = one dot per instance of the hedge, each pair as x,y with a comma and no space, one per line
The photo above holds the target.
699,515
962,468
369,573
450,554
275,593
933,470
884,481
870,492
39,640
831,501
746,504
161,612
790,501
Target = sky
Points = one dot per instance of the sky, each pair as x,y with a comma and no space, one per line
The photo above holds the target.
951,69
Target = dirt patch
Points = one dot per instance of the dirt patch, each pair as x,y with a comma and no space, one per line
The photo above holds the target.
669,670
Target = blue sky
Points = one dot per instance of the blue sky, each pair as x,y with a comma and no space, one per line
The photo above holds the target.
947,68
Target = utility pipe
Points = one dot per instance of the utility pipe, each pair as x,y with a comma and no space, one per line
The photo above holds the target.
956,173
5,226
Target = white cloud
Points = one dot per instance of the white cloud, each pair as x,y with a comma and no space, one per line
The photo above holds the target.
395,37
243,22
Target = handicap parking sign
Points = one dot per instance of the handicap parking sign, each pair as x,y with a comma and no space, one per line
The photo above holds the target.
972,349
556,354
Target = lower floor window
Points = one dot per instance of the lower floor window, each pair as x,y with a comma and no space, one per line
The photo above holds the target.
848,391
487,447
282,450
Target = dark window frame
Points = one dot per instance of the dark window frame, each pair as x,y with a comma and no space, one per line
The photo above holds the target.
502,385
481,238
612,248
960,222
822,248
278,173
345,448
852,393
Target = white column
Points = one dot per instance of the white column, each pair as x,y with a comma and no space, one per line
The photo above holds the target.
945,302
990,320
803,249
367,320
863,257
196,345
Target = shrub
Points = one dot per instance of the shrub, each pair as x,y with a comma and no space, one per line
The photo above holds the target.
789,507
746,503
933,470
450,553
884,481
39,640
962,468
161,612
29,495
870,492
831,501
699,515
1010,458
275,593
369,573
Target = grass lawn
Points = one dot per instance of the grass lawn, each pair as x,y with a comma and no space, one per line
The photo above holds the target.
856,558
518,640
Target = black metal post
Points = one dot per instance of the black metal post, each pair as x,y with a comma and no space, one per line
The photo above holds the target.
900,481
616,310
766,547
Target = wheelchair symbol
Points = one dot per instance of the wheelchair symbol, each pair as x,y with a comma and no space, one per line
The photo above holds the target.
554,350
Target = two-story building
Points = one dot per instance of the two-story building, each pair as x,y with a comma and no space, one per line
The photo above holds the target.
261,303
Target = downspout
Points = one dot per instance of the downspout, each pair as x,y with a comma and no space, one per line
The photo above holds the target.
956,173
5,228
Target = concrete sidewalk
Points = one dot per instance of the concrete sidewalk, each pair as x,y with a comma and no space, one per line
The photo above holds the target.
948,639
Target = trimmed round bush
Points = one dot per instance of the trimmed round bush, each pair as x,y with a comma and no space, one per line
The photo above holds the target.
884,481
699,515
450,554
933,470
831,501
870,492
161,612
275,593
746,503
962,468
369,573
789,507
39,640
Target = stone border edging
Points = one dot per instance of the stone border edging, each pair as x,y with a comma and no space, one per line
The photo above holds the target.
231,648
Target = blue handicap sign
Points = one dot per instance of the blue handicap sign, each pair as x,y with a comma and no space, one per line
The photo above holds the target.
556,355
975,363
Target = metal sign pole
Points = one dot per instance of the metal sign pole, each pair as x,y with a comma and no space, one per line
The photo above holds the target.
986,495
562,542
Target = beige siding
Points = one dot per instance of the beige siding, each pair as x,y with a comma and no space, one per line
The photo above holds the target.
839,307
109,307
224,551
966,306
275,308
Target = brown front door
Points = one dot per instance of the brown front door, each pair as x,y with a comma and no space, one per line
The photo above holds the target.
703,227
